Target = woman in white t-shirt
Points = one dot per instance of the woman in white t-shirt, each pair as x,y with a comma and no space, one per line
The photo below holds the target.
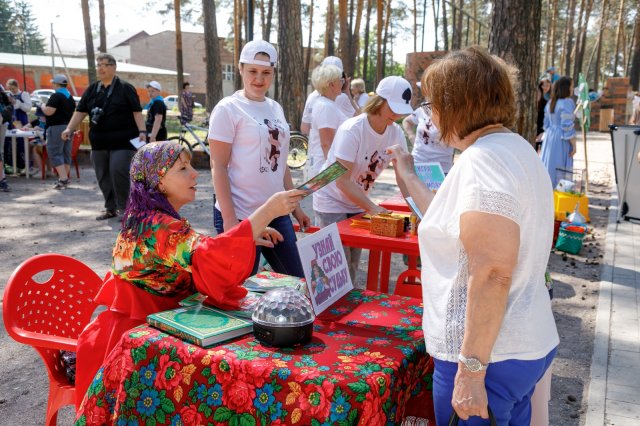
427,145
326,118
359,92
484,245
249,140
360,145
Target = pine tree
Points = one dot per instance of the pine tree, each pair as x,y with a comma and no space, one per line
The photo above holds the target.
26,30
6,33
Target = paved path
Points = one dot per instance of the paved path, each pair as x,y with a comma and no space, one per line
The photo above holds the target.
614,390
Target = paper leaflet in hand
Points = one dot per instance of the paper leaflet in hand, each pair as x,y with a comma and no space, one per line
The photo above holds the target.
431,174
323,178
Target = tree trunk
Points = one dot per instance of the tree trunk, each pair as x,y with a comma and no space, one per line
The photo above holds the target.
343,41
387,20
554,32
380,23
307,59
365,56
290,44
415,26
576,46
103,29
619,31
445,27
515,37
237,42
88,40
179,67
212,55
457,22
634,73
355,43
603,21
424,23
329,46
267,28
568,39
436,14
582,37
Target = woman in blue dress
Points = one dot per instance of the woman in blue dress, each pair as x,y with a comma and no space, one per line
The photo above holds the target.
559,141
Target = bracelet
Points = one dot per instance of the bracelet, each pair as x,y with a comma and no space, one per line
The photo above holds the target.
142,131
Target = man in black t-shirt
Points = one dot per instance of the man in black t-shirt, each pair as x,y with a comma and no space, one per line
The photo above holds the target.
156,113
115,116
58,111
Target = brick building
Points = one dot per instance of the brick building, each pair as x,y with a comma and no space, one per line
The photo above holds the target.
158,50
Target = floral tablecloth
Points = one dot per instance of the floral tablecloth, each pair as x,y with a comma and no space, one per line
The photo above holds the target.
366,364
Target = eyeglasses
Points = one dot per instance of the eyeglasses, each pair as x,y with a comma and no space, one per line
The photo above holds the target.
426,107
102,65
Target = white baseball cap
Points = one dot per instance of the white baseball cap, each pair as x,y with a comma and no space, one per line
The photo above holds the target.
251,49
397,92
154,84
333,60
59,79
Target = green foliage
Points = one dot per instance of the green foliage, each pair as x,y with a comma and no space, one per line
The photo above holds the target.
18,29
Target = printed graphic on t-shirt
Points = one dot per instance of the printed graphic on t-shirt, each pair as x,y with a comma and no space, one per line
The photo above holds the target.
427,124
270,159
377,163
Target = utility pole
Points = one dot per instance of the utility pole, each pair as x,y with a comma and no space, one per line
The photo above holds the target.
53,60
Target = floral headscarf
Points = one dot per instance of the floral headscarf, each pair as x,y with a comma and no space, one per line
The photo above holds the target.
152,161
148,167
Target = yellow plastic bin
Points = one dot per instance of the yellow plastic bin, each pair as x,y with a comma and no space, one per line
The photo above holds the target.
564,203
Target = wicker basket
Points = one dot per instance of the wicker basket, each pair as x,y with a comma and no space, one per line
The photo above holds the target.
387,225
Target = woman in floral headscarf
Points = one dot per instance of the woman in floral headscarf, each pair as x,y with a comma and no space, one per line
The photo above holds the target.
158,259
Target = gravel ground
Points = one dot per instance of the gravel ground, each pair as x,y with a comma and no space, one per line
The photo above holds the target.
37,219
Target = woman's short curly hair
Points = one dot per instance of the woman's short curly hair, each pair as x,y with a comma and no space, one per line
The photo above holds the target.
323,75
469,89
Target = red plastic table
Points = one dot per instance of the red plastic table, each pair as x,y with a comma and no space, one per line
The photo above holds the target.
366,364
396,203
380,250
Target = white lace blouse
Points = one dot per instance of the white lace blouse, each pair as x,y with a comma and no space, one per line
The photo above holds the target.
499,174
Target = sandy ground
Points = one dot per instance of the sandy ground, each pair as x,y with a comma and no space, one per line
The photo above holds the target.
37,219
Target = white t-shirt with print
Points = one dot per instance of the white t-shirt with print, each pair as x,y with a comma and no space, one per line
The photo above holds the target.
326,115
259,134
499,174
358,143
428,147
362,100
342,101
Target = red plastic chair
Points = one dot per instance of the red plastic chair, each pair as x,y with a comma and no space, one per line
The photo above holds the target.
407,284
47,302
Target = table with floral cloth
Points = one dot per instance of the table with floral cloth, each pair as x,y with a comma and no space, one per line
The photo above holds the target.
366,364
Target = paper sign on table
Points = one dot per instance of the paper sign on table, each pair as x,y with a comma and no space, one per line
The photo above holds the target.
325,267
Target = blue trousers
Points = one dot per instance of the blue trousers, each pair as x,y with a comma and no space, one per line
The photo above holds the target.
284,257
509,384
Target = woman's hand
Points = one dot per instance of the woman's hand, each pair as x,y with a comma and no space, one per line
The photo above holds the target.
284,202
269,238
377,210
469,394
402,160
303,220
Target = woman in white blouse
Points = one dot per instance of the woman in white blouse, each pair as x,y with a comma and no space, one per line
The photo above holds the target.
484,245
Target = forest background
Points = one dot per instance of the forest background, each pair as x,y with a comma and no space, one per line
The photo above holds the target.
598,39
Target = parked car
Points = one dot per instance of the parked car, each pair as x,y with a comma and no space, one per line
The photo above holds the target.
171,102
41,96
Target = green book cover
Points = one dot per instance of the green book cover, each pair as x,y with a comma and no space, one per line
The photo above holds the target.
247,303
325,177
201,325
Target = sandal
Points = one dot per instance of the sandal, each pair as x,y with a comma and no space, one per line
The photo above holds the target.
107,215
